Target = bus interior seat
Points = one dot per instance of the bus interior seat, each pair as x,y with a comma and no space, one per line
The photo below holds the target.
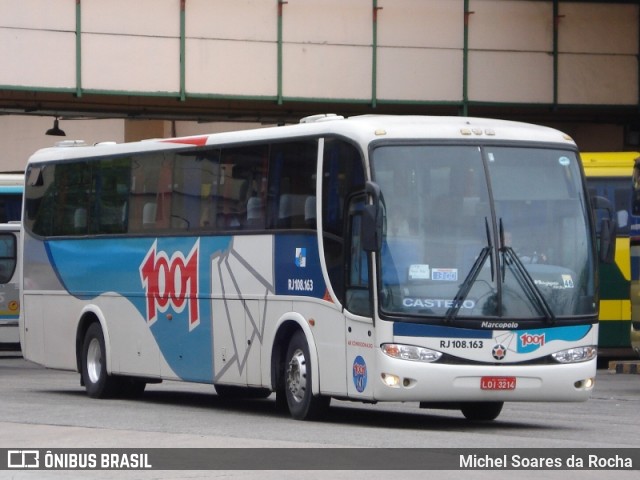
149,214
622,217
80,219
255,213
291,210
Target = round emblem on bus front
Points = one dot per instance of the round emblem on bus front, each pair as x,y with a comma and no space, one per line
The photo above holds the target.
499,352
360,374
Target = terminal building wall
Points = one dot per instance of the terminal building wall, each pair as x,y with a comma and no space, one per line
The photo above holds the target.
232,48
369,52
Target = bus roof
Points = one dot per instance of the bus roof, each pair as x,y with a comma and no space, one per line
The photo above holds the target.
11,179
608,164
11,183
10,227
364,128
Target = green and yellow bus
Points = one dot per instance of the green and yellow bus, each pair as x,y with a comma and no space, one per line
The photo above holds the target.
609,175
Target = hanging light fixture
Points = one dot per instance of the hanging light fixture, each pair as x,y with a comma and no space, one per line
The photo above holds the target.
56,131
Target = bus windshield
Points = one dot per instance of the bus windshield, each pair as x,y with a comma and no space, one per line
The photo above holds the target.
483,231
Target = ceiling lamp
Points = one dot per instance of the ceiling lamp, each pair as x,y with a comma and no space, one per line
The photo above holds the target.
56,131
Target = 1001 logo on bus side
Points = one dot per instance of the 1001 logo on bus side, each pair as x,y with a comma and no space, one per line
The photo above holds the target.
171,282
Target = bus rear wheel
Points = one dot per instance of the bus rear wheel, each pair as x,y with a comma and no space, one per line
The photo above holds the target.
302,404
481,411
94,365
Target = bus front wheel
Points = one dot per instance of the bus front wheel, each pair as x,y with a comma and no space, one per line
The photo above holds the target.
94,365
302,404
481,411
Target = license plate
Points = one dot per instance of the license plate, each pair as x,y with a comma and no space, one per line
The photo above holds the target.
498,383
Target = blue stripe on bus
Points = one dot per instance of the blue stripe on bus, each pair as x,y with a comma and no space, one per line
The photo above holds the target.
420,330
13,189
545,335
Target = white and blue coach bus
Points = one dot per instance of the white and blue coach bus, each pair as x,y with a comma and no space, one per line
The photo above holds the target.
9,286
11,188
445,261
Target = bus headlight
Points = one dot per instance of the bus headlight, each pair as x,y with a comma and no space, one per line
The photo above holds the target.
410,352
576,354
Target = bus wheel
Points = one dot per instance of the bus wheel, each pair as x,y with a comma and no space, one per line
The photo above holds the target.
481,411
94,365
303,405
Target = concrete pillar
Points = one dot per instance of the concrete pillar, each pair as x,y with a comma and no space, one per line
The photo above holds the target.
135,130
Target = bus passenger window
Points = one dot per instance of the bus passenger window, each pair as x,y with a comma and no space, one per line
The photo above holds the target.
111,180
150,192
240,191
292,180
7,257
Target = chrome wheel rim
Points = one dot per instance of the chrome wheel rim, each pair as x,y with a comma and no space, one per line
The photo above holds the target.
297,376
94,360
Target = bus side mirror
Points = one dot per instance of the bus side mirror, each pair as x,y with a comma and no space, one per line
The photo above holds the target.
371,233
608,227
607,247
372,222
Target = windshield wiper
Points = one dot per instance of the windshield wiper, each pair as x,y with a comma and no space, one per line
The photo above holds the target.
521,274
470,279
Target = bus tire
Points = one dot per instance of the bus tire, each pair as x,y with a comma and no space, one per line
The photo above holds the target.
97,382
481,411
302,404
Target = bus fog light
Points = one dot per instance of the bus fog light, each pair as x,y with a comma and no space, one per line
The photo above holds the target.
390,380
410,352
586,384
576,355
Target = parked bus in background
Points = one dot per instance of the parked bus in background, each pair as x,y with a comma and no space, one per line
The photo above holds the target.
9,286
11,188
608,175
635,257
445,261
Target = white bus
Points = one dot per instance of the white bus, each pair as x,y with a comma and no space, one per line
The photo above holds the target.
445,261
9,286
11,188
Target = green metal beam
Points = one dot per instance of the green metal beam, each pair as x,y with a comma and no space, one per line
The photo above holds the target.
374,55
281,3
556,27
183,50
465,61
78,49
